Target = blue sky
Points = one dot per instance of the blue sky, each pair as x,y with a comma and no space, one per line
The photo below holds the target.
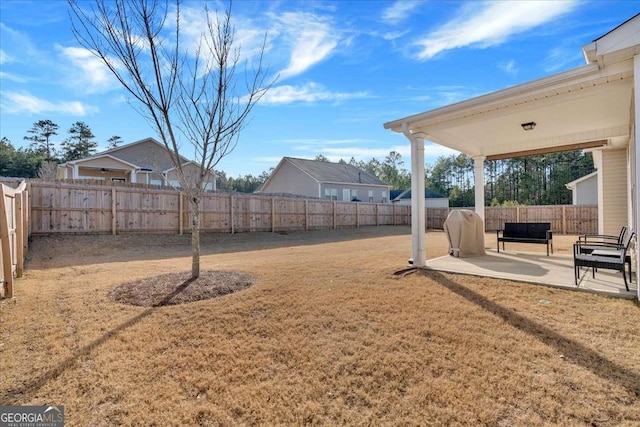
345,68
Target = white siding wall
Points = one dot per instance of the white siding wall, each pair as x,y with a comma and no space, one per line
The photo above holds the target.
586,192
428,203
614,190
362,192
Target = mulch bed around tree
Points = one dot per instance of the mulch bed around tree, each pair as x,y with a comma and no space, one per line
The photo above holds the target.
177,288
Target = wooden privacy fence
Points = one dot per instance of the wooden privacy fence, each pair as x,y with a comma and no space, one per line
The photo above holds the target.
85,208
564,219
14,235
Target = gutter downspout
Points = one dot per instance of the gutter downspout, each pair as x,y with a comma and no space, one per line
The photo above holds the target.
418,226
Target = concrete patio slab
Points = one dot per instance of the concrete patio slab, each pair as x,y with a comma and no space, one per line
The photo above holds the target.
536,268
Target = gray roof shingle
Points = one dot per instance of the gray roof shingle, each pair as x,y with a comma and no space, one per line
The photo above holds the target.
335,172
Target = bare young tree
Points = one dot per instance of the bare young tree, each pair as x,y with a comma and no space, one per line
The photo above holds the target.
48,170
188,96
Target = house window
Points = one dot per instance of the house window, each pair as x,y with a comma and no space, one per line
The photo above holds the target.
118,180
331,193
156,182
370,196
354,196
384,197
346,195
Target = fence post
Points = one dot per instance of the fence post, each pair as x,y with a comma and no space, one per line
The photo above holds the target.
357,215
28,212
231,213
564,219
19,235
25,221
377,215
517,213
393,210
306,215
334,215
6,247
113,211
273,215
180,213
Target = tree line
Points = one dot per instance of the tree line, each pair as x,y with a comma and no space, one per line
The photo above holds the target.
533,180
44,153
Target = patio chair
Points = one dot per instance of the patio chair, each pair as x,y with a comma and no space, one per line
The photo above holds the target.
604,238
603,256
590,242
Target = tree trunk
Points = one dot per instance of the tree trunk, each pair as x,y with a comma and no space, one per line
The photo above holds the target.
195,238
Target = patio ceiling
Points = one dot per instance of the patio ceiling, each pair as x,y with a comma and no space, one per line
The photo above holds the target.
585,105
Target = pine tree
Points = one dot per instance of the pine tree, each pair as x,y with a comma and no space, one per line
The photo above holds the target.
40,137
80,142
113,142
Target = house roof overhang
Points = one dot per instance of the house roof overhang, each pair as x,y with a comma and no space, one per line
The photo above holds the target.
586,107
586,104
90,162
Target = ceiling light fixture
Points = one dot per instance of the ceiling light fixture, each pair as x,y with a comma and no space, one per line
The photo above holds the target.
528,126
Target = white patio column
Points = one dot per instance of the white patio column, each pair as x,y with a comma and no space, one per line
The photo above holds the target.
134,176
420,199
414,204
76,171
478,176
418,251
636,136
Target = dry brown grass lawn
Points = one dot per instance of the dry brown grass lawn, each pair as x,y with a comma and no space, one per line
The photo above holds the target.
326,336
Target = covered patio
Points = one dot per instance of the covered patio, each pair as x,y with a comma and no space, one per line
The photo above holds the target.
536,268
592,107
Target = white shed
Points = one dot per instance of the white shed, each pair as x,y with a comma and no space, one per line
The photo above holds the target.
585,189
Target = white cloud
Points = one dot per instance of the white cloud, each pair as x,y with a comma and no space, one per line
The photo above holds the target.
444,95
87,72
298,39
310,148
312,142
363,153
433,150
19,43
485,24
399,11
12,77
392,36
312,39
20,103
5,58
509,67
248,36
310,92
559,57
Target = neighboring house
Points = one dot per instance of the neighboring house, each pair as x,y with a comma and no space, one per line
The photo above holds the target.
431,199
585,189
325,180
146,161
